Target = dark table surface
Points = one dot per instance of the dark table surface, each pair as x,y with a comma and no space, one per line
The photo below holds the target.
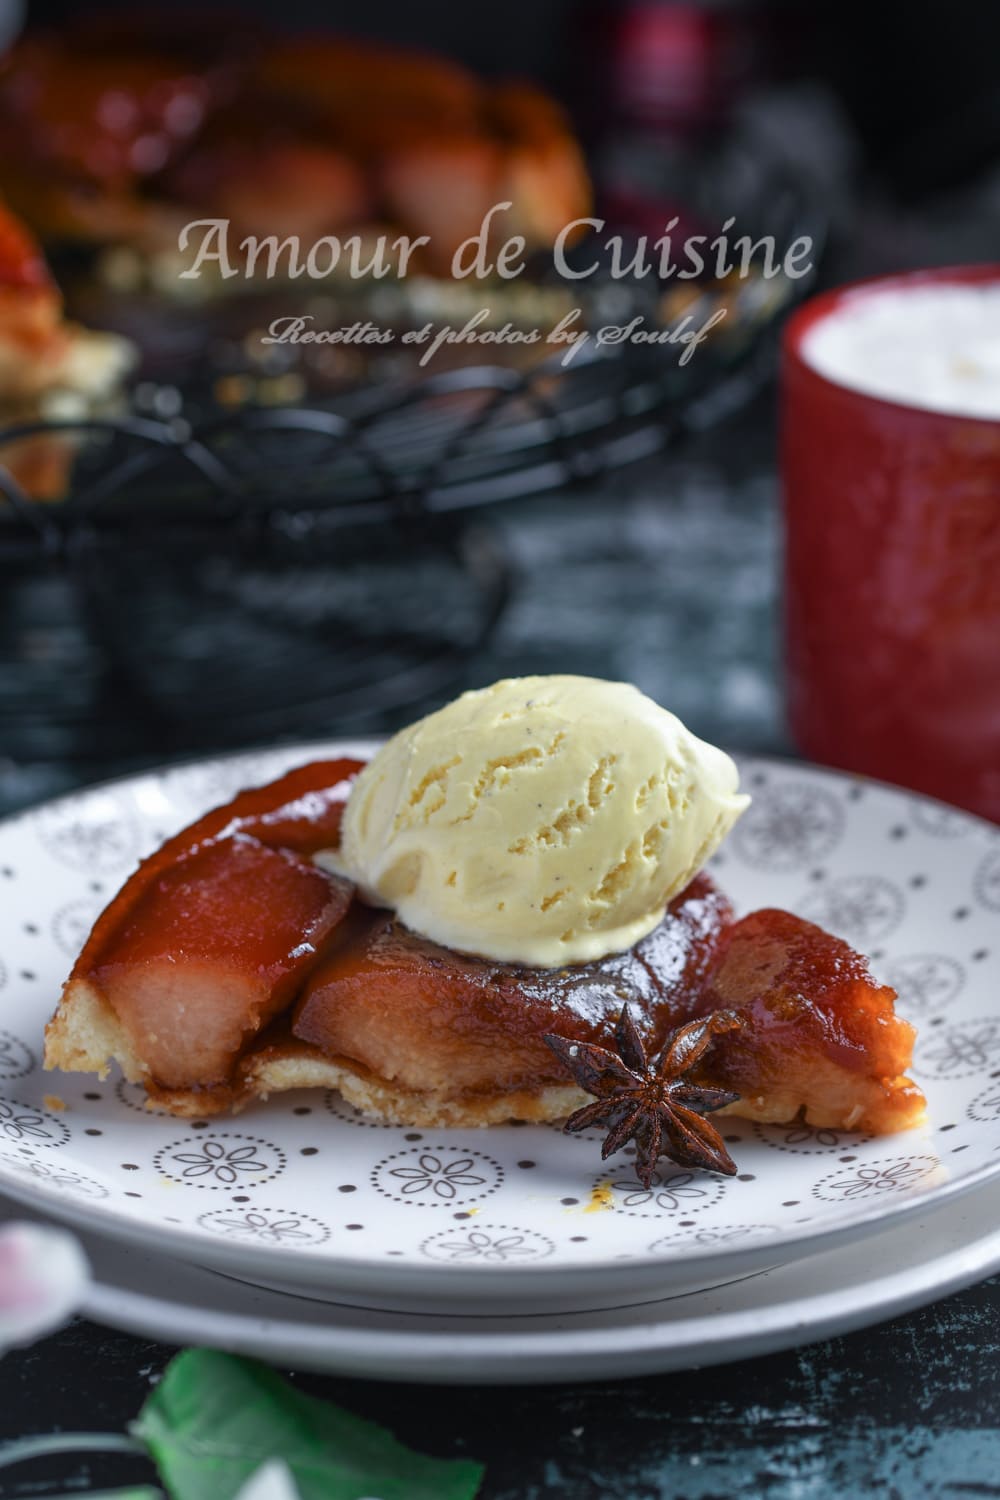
667,577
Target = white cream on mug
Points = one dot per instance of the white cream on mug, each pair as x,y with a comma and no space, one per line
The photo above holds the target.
931,345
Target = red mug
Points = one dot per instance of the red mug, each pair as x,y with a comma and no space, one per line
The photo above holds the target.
892,574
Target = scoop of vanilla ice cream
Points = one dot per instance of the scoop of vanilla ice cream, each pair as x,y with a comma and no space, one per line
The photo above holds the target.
543,820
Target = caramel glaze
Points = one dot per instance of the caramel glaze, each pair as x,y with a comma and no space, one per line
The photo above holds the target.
230,940
215,933
820,1033
441,1022
301,812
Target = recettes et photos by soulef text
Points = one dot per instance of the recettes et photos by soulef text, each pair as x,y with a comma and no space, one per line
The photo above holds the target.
503,915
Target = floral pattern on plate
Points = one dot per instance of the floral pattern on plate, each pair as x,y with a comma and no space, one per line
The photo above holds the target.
671,1191
497,1243
809,1140
716,1234
268,1226
925,983
446,1176
859,908
872,1179
54,1176
16,1057
987,882
789,826
220,1161
94,832
967,1049
30,1125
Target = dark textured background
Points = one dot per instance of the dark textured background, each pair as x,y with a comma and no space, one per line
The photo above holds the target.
905,1411
627,581
668,576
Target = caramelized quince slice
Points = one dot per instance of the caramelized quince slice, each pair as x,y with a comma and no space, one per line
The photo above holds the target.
444,1023
821,1038
218,944
210,938
300,812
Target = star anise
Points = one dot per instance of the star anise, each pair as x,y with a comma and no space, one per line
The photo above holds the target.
651,1103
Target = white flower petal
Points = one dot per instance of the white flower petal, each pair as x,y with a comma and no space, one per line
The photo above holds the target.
43,1275
272,1481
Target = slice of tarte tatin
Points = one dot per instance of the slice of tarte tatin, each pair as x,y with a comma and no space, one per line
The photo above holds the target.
230,967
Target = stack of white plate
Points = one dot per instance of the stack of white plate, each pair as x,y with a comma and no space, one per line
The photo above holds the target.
303,1233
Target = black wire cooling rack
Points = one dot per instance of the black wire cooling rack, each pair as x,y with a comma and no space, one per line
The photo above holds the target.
276,571
453,442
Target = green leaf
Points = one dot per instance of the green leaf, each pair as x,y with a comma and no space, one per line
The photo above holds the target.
214,1419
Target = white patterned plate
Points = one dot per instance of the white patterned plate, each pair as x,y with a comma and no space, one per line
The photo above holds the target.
303,1193
833,1292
